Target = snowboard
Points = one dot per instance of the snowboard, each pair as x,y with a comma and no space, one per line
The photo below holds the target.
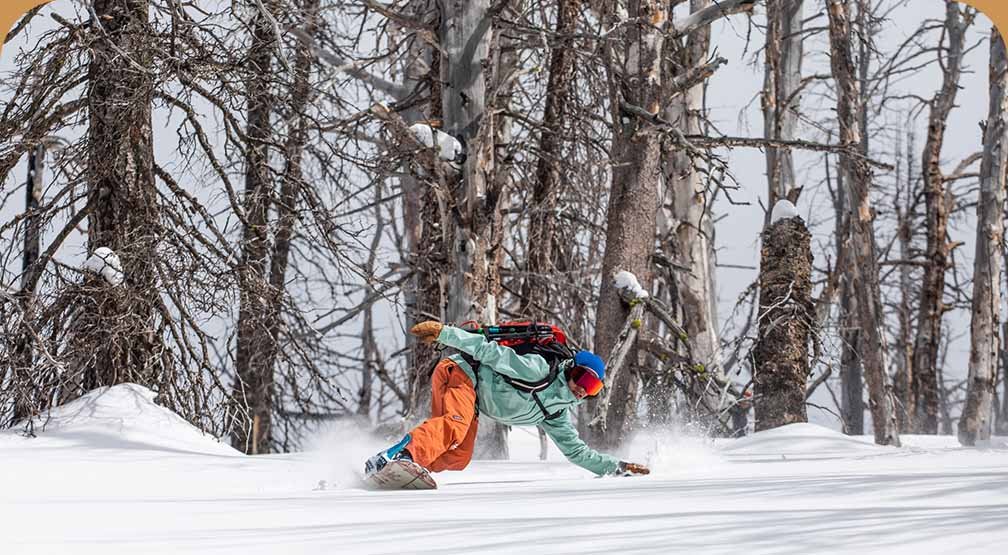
401,475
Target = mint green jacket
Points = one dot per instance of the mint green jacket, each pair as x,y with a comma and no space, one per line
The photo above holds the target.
505,404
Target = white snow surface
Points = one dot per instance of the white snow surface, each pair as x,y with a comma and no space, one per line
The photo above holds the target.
115,473
783,209
448,147
105,262
628,282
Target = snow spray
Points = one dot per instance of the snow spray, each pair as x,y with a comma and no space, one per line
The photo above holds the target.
339,450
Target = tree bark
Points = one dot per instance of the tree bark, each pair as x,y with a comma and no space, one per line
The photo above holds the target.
541,263
929,316
120,339
254,386
474,281
976,420
688,223
492,437
477,231
425,222
857,180
33,197
786,317
851,375
633,203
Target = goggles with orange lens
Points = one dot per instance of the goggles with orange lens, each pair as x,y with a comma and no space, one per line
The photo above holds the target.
587,379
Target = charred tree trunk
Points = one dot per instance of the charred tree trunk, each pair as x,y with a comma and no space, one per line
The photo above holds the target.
33,197
23,350
287,204
851,375
904,209
425,223
976,420
781,355
540,263
690,229
119,338
254,386
633,202
851,370
857,180
781,99
477,232
929,316
370,365
492,437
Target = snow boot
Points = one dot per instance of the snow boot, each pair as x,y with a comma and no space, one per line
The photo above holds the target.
395,453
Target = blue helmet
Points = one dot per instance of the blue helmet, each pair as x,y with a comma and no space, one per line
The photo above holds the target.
590,360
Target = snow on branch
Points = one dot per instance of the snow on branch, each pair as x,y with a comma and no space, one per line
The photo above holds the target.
438,170
710,14
106,263
447,147
628,286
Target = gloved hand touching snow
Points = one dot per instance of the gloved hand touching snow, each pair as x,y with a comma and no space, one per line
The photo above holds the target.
631,469
428,331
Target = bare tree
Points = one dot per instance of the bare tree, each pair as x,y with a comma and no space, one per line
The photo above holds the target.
542,236
687,215
640,84
254,378
857,179
977,418
113,336
633,201
782,91
932,307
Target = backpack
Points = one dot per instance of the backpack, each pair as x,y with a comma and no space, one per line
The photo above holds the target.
545,340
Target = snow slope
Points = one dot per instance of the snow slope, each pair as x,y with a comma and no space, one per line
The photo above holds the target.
115,473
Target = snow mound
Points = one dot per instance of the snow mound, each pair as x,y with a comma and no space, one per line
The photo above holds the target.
126,415
105,262
782,210
805,440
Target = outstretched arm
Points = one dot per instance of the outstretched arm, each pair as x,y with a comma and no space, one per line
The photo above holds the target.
563,433
565,436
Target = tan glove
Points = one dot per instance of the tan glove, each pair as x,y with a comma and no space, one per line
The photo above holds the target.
631,469
428,331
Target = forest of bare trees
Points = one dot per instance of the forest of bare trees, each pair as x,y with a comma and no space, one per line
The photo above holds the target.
243,206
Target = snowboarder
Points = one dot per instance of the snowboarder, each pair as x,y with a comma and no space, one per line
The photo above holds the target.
445,441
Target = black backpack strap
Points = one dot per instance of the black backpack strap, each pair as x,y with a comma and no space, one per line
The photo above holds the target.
555,354
533,388
538,385
542,407
474,366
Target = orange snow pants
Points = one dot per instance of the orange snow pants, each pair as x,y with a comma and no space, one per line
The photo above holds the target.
445,440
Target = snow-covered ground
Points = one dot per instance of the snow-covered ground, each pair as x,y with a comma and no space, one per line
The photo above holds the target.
115,473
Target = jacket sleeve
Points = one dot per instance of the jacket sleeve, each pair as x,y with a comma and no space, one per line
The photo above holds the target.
565,436
502,359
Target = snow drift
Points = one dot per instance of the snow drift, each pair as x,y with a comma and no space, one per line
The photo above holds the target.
125,416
